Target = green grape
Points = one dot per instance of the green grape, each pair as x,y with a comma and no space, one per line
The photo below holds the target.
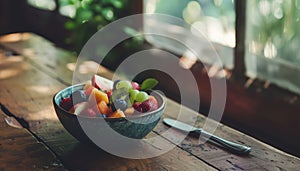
132,95
141,96
124,84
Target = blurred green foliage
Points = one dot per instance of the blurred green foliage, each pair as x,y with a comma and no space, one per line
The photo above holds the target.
90,16
275,22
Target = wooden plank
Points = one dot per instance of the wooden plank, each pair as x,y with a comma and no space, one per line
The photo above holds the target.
263,157
28,94
21,151
56,62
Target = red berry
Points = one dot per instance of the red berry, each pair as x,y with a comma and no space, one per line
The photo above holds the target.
135,85
148,105
137,106
66,103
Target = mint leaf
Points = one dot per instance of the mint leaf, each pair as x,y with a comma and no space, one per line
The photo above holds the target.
148,84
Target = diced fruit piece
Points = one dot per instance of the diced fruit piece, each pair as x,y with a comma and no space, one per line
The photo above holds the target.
149,105
101,83
121,93
119,104
98,99
146,106
141,96
88,112
129,111
87,85
123,84
94,81
137,107
88,91
66,103
135,85
132,95
153,100
78,108
103,108
78,96
117,114
96,96
73,108
95,108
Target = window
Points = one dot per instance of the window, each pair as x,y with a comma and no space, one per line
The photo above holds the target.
271,39
215,19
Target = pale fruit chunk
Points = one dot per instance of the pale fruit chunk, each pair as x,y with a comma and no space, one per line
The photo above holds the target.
117,114
154,101
78,108
87,85
88,112
129,111
101,83
96,96
89,90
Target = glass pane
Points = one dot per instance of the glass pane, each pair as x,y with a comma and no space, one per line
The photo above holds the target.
214,18
43,4
273,41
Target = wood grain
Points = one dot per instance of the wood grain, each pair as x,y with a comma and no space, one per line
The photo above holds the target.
28,95
21,151
19,93
262,157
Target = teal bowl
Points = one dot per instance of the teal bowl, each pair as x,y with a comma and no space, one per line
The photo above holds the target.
83,127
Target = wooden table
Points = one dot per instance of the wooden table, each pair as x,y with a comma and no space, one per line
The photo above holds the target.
32,70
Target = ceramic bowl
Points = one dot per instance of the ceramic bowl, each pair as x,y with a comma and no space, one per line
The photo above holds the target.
83,128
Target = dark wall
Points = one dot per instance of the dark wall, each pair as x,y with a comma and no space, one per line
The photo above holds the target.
18,16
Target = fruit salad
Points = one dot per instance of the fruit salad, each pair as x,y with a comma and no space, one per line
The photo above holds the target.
122,98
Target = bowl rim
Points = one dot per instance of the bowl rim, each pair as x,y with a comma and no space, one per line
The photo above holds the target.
160,108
